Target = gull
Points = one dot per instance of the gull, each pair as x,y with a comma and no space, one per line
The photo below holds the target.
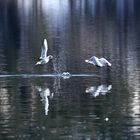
100,62
44,58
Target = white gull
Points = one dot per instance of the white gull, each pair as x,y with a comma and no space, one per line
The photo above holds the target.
100,62
44,58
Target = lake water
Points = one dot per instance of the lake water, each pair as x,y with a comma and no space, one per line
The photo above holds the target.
93,103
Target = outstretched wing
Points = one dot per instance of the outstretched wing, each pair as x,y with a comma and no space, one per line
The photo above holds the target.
92,58
105,62
96,61
44,49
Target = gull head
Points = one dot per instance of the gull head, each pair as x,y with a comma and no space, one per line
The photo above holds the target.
90,62
50,57
87,61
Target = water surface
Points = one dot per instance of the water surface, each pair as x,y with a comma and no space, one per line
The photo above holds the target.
93,103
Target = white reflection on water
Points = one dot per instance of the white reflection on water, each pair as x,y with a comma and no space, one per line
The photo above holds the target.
132,71
97,90
134,100
55,7
133,81
25,11
45,94
5,107
56,14
2,57
25,6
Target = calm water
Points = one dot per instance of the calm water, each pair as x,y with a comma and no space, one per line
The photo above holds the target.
96,104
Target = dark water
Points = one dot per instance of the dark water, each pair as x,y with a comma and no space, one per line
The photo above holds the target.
97,104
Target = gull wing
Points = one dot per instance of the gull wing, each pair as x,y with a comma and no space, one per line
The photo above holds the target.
44,49
92,58
95,61
105,62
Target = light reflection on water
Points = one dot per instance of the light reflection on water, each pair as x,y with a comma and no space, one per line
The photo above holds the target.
52,107
29,101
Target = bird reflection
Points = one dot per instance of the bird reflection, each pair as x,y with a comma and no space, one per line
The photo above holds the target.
97,90
45,94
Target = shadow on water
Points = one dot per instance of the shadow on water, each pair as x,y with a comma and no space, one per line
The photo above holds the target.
38,102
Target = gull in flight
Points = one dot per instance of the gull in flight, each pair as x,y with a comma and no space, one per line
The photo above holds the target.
100,62
44,58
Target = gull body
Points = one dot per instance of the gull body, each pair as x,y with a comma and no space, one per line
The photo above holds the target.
44,58
100,62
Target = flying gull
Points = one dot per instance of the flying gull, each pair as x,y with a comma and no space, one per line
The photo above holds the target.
44,58
100,62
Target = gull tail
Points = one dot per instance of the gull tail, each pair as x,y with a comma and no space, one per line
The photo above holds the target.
38,63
